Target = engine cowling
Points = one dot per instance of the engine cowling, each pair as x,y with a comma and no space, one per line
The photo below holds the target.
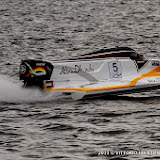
34,72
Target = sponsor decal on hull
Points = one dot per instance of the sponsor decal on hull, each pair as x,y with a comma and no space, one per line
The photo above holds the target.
76,69
155,63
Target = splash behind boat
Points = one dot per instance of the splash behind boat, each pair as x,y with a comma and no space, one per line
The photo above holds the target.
107,71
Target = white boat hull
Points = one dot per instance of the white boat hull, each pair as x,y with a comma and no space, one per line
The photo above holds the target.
104,76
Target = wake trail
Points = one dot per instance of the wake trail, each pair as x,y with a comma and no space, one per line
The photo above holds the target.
11,92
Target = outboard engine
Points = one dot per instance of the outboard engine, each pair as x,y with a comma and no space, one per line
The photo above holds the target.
33,72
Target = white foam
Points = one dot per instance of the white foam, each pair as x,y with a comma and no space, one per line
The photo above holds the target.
12,92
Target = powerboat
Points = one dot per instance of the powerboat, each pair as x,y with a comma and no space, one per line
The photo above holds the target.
115,70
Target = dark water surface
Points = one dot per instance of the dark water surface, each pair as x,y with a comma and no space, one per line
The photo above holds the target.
36,128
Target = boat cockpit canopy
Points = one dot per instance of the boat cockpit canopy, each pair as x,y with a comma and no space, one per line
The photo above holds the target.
114,52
